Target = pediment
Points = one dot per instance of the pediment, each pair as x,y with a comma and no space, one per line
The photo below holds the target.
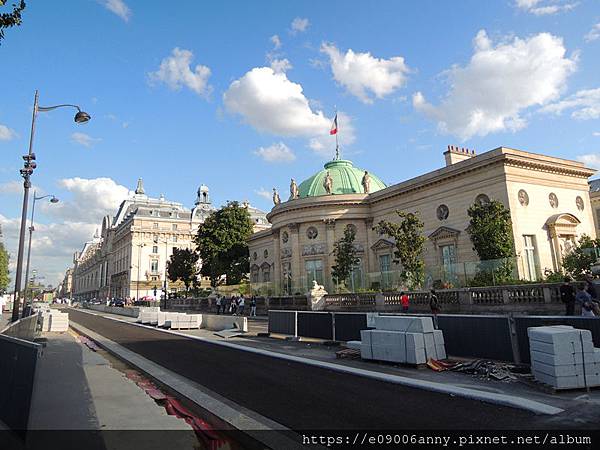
444,233
382,244
564,219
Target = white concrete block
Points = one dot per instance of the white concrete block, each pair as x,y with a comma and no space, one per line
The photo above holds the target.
553,335
404,323
430,350
438,337
441,351
365,336
415,340
554,359
570,382
416,356
560,347
565,369
390,353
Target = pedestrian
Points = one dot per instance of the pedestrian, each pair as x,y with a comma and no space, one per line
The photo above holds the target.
253,306
567,295
585,300
218,304
434,305
241,304
234,306
404,301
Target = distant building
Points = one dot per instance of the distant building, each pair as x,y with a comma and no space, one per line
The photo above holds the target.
127,259
548,199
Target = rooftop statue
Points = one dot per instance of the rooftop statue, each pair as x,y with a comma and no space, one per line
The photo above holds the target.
328,183
293,190
276,199
366,182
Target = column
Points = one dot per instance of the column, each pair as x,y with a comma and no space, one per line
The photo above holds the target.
328,258
276,280
296,269
368,265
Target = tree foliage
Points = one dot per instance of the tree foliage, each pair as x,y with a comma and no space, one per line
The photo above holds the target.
345,256
490,230
183,265
222,243
408,235
4,278
11,19
577,263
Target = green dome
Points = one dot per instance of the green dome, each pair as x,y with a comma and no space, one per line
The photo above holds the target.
347,179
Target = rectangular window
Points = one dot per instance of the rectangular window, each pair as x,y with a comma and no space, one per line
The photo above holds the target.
355,280
155,249
530,257
155,225
174,238
448,256
174,227
266,276
314,272
384,268
154,266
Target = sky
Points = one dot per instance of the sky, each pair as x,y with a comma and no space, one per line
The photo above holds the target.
240,96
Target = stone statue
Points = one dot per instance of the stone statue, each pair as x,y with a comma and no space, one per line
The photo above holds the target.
293,190
276,199
328,183
366,182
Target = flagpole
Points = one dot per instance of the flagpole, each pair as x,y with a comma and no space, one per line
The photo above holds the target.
337,146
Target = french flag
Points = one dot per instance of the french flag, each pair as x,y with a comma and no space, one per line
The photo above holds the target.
334,127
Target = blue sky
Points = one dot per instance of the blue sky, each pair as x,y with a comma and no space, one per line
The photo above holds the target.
240,96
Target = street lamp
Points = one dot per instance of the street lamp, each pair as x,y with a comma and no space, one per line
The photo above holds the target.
28,167
53,199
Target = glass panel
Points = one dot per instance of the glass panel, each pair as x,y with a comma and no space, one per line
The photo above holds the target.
314,272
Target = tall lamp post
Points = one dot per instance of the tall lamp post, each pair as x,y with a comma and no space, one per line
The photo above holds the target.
53,199
28,167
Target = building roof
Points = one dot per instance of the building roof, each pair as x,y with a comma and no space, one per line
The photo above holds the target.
595,185
347,179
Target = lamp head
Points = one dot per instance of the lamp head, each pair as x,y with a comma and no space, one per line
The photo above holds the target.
82,117
53,199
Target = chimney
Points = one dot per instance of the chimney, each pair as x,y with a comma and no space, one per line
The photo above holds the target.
455,154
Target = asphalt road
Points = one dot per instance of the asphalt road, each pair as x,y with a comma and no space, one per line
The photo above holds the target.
304,397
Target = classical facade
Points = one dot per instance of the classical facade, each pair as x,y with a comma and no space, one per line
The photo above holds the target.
65,288
127,259
548,199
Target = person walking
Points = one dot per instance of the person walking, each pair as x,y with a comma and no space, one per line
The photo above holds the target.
218,304
585,300
241,304
234,306
404,300
434,305
567,295
253,306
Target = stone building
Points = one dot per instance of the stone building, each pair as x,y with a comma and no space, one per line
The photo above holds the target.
128,257
548,199
65,288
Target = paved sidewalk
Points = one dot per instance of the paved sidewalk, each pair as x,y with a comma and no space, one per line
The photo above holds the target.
79,389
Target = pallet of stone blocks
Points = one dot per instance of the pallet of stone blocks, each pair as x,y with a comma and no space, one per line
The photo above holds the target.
403,339
559,354
178,321
55,321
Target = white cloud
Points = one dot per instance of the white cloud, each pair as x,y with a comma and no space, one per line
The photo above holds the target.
84,139
118,7
594,33
280,65
276,42
7,134
361,72
585,105
271,103
76,219
545,7
489,94
299,25
262,192
11,187
591,160
324,143
596,133
276,153
176,71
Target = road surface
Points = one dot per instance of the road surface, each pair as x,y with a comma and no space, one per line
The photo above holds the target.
304,397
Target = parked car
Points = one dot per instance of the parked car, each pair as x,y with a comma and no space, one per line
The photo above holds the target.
117,302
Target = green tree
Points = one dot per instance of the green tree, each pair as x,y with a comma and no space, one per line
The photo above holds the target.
345,256
11,19
578,262
183,265
490,230
222,243
408,235
4,278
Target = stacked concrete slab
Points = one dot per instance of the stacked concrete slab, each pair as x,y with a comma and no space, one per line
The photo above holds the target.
55,321
564,357
403,339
